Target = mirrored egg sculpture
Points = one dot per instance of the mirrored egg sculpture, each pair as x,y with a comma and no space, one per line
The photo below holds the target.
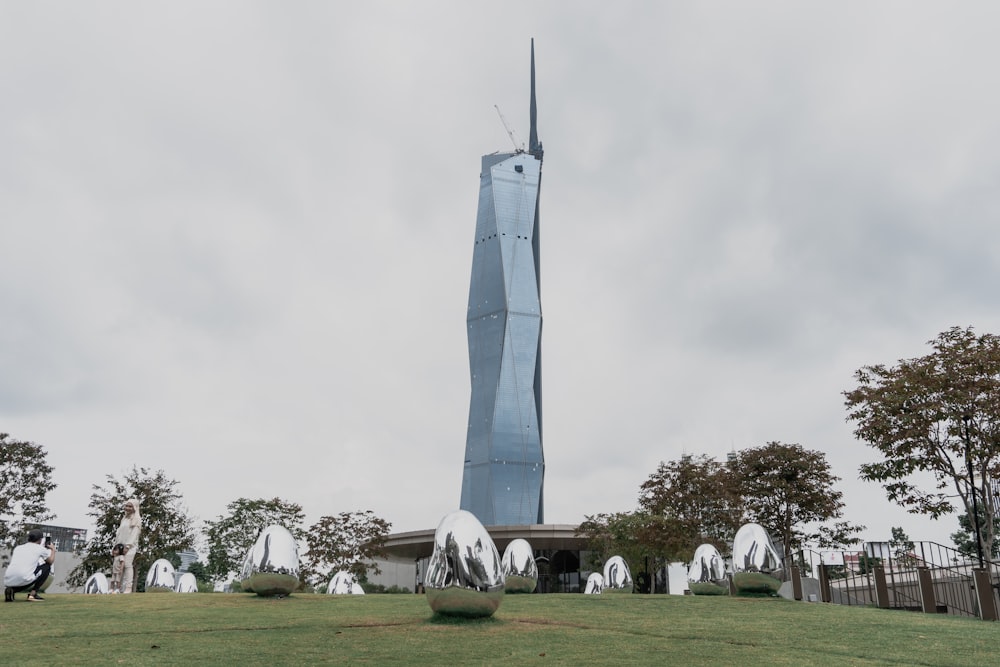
706,566
464,577
160,578
753,551
344,583
97,584
186,583
272,565
754,561
595,584
519,569
707,573
617,578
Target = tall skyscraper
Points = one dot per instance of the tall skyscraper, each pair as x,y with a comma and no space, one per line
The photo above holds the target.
504,464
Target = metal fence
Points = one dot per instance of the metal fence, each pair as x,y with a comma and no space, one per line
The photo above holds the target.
918,576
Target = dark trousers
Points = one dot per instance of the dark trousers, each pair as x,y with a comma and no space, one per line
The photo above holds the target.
43,571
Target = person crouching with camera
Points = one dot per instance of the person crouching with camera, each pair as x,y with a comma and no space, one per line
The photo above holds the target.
30,565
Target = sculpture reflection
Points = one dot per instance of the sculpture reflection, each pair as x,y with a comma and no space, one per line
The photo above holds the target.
186,583
755,561
160,578
97,584
464,577
272,564
753,551
617,578
344,583
519,568
595,584
706,575
707,565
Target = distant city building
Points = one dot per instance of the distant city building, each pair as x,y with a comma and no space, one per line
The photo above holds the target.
65,539
187,557
504,470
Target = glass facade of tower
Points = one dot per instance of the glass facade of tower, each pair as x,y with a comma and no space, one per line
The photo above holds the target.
504,465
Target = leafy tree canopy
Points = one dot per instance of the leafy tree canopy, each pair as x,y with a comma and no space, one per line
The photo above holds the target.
231,535
347,541
634,536
937,414
867,563
700,500
25,480
902,548
695,500
197,568
965,537
786,488
837,535
166,526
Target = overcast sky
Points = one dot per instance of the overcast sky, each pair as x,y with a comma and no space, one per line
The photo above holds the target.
236,237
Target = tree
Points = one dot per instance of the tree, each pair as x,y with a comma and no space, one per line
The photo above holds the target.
347,541
937,414
838,535
965,537
231,536
699,499
634,536
166,526
200,572
867,563
25,480
786,487
902,548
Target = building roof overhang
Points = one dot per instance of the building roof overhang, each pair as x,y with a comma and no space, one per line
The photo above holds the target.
555,536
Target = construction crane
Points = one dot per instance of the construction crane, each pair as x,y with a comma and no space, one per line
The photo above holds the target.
510,132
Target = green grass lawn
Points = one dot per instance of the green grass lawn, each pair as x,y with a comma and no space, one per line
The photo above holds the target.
241,629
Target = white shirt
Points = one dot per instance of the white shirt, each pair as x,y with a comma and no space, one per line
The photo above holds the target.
23,561
128,535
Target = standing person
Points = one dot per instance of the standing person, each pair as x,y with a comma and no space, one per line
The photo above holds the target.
30,565
127,538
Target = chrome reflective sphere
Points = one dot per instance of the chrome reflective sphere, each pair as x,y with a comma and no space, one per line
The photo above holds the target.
160,578
595,584
617,578
186,583
344,583
464,577
96,584
519,568
706,566
272,565
753,551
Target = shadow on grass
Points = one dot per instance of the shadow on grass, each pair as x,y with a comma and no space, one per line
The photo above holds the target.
445,619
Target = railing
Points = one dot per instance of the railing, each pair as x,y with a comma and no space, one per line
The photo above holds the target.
925,576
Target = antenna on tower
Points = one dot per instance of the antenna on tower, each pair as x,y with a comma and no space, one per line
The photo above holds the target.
534,145
510,132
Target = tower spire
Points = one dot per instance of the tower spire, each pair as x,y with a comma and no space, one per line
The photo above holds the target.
534,147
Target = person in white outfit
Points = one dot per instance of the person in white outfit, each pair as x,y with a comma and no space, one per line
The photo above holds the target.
29,567
123,571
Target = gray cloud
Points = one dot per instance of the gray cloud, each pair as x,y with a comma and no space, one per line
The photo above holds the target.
237,234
